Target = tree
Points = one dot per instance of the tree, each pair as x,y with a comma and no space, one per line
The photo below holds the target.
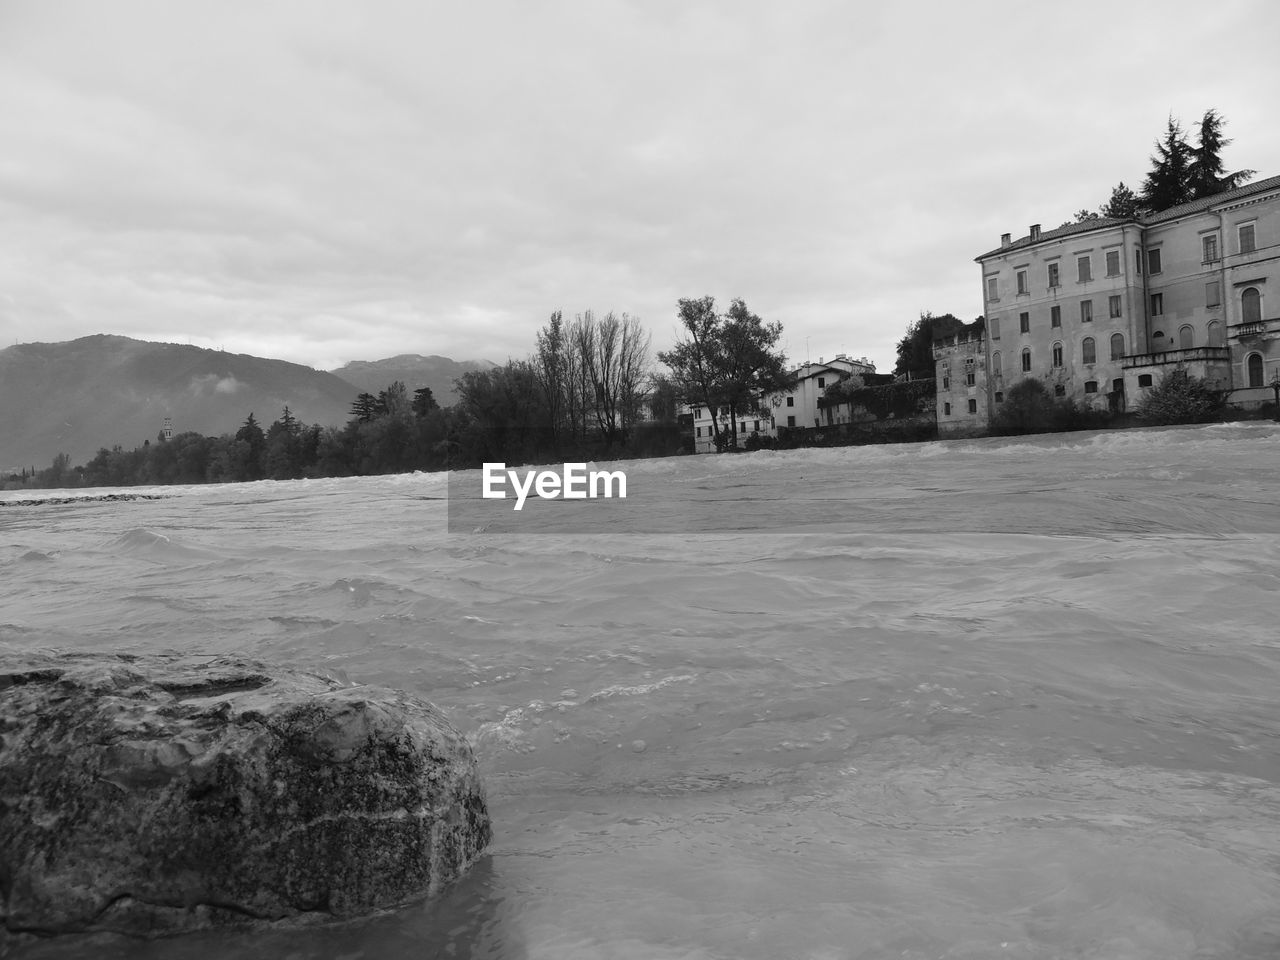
365,407
915,350
1207,175
1123,205
1167,184
728,361
693,360
552,371
255,443
752,368
1084,216
1180,397
424,402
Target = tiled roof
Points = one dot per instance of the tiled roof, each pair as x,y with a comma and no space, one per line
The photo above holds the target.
1064,231
1204,203
1164,216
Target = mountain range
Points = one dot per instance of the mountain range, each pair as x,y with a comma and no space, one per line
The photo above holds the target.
78,396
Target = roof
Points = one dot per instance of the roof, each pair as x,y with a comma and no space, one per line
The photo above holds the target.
1150,219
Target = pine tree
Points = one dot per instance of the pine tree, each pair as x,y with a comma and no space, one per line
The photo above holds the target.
1124,203
1167,185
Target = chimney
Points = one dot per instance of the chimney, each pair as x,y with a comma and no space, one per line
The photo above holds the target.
1005,240
1035,232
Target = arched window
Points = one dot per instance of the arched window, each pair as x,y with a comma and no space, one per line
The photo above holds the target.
1186,337
1117,346
1026,359
1216,336
1088,350
1057,354
995,363
1255,369
1251,306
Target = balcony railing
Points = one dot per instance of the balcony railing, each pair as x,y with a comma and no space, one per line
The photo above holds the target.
1255,328
1188,355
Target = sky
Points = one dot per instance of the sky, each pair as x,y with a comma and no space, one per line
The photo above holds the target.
323,182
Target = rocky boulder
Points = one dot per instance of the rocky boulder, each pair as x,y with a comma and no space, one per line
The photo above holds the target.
155,795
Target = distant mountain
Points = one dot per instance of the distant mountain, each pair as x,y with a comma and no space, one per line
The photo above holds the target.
438,373
78,396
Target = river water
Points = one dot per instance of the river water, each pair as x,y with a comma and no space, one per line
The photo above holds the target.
966,699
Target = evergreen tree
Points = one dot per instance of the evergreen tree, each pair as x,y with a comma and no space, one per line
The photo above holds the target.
1207,175
365,407
424,402
1123,205
1168,183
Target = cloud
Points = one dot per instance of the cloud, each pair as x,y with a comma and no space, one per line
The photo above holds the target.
324,182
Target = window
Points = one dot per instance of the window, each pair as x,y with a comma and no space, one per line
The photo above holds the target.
1059,390
1137,260
1117,346
973,406
1117,385
1210,244
1213,293
999,397
1255,369
1053,275
791,421
991,288
969,378
698,432
1055,316
1086,311
1084,268
1113,263
822,382
1113,305
995,328
1022,282
995,363
1057,354
1026,360
697,413
1186,337
1144,379
1088,350
1216,337
756,427
1091,386
946,409
1251,305
946,383
1157,304
791,402
1024,323
1153,261
1247,244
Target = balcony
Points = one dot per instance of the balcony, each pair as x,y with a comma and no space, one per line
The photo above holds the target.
1251,330
1189,355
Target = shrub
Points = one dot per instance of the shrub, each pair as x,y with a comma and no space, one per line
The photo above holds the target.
1181,397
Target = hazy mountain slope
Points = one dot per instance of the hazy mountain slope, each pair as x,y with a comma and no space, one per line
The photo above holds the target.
413,371
98,391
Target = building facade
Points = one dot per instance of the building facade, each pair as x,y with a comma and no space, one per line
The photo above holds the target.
1101,310
797,407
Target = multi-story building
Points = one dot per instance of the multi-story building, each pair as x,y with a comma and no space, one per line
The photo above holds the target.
1100,310
797,407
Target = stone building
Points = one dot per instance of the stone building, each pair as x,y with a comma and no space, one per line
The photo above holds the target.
1101,310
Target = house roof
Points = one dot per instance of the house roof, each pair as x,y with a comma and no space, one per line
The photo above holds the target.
1147,220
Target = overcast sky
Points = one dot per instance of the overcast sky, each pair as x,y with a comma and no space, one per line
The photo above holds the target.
325,182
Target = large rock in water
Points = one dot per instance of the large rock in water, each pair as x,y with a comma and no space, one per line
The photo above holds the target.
155,795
